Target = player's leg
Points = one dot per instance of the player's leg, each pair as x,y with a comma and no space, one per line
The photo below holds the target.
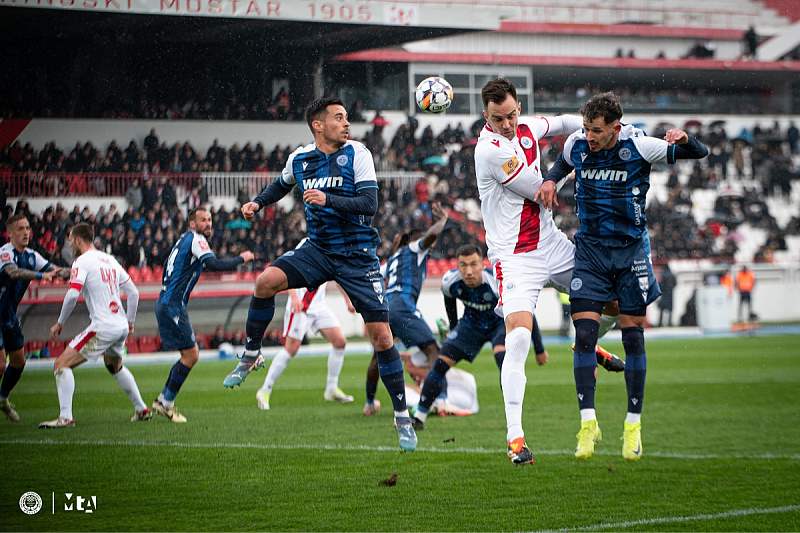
338,342
295,326
113,362
372,406
259,315
586,318
65,384
175,330
512,379
12,342
434,383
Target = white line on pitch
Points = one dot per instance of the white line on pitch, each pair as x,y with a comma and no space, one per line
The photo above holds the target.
431,449
673,519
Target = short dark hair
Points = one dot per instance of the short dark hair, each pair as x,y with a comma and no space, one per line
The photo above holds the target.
606,105
319,108
84,231
12,221
193,212
469,249
409,236
496,91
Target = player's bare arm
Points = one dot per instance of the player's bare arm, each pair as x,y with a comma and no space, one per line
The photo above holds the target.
440,215
546,195
23,274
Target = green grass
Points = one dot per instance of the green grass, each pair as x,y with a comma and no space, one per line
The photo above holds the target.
721,437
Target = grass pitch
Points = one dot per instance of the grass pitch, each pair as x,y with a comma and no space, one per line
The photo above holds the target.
720,431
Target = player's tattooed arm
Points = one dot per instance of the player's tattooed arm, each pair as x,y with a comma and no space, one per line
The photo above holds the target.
23,274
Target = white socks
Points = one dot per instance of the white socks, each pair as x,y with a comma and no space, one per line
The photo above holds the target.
512,377
606,324
587,415
128,383
65,385
633,418
335,363
276,368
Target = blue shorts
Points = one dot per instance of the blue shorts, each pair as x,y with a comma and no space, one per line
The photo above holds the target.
610,268
408,325
174,335
357,272
465,341
11,337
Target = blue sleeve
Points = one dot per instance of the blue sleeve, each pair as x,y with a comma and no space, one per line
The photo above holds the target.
452,311
559,170
364,203
213,264
274,192
693,149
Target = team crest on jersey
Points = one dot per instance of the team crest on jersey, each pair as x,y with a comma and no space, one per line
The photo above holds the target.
378,288
204,245
511,286
114,307
625,154
511,166
576,284
341,160
644,283
526,142
5,258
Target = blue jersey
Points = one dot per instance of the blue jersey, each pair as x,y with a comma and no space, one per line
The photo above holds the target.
183,268
12,291
343,173
611,185
479,303
405,273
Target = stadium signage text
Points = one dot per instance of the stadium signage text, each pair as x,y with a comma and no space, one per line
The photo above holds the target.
342,11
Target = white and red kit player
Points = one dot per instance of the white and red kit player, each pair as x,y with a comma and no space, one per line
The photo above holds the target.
100,278
526,249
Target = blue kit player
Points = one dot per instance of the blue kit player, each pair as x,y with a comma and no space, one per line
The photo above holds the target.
19,265
189,257
476,287
340,193
612,250
405,272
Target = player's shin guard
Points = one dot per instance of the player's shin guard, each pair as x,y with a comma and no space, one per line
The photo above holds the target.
390,368
635,367
259,315
585,361
10,378
128,383
512,379
65,385
177,375
432,387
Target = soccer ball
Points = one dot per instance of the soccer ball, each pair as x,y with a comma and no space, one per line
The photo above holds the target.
434,95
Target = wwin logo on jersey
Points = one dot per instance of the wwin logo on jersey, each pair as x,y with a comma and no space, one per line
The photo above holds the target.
608,174
323,183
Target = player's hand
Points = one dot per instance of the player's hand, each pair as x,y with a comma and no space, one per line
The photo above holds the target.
438,211
130,328
547,195
351,307
49,275
55,331
297,305
676,136
249,210
315,197
541,358
247,255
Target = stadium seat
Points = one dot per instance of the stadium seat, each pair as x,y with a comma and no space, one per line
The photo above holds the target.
56,347
149,344
132,344
158,272
32,346
133,272
146,274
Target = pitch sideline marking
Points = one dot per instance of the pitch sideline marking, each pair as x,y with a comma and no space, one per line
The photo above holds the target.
250,445
672,519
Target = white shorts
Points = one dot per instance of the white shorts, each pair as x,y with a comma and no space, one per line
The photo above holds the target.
522,276
296,325
94,341
462,394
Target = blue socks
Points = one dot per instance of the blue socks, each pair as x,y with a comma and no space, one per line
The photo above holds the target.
585,361
177,375
10,378
433,384
635,367
390,368
259,315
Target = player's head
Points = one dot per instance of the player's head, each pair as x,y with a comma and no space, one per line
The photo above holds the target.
19,231
403,239
81,238
470,264
327,118
200,221
500,107
601,116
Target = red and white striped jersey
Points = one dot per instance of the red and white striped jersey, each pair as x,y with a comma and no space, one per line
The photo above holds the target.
509,174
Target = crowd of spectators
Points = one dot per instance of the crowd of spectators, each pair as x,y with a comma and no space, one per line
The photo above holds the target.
143,230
